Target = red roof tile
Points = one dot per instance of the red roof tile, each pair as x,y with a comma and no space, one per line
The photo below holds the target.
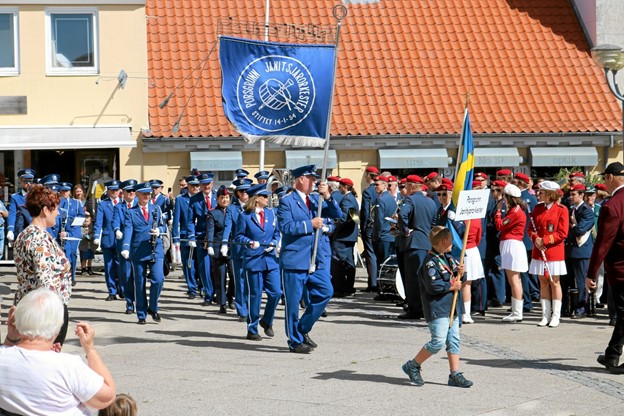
404,66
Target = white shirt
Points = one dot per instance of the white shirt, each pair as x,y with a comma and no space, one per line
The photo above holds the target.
45,382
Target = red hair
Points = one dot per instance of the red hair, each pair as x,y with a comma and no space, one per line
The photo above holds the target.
39,197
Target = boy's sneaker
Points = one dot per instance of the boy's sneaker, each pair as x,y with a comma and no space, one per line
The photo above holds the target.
458,380
413,373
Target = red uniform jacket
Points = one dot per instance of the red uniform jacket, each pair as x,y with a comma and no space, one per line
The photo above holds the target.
475,233
552,226
609,243
513,225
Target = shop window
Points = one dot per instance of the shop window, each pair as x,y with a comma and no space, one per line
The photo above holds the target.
71,41
9,49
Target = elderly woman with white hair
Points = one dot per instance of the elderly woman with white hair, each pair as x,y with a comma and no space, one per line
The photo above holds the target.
550,229
37,380
513,252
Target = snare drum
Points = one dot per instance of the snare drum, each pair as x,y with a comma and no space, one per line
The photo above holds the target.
389,280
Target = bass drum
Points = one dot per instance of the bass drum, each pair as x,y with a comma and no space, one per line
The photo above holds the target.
389,280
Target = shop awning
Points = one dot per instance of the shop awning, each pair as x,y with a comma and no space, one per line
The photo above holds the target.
413,158
496,157
564,156
216,161
296,158
65,137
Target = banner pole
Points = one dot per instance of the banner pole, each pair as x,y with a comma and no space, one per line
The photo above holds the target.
267,5
339,12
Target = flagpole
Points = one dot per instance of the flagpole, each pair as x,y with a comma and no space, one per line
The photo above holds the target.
339,12
267,5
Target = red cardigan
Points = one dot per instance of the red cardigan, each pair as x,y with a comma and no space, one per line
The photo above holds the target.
513,225
475,233
552,226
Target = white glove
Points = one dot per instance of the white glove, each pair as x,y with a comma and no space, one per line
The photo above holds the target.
450,215
118,235
96,242
254,244
176,246
210,251
10,236
192,244
268,249
154,231
224,250
325,228
125,254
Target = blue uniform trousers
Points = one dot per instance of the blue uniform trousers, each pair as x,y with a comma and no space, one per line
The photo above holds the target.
269,281
203,263
124,272
110,269
319,287
71,252
412,263
157,278
219,271
369,255
189,273
496,278
242,291
577,271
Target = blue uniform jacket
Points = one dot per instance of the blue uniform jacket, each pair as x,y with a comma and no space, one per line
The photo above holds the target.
584,223
385,206
368,200
530,202
165,206
346,230
18,219
337,196
103,229
215,227
181,218
435,281
69,209
136,237
198,213
491,233
248,229
229,231
119,218
416,218
295,223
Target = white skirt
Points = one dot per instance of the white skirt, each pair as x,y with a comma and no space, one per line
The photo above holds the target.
556,268
514,256
473,264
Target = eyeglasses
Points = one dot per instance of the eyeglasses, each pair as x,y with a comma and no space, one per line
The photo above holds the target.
442,193
495,190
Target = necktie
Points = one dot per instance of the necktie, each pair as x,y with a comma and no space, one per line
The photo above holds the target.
114,202
208,202
153,200
145,213
308,201
129,204
261,215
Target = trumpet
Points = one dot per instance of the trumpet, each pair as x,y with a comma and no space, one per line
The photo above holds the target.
352,215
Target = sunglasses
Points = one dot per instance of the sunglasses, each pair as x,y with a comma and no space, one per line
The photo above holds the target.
442,193
495,190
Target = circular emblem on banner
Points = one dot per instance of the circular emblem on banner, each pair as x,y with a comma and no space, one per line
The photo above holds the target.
275,92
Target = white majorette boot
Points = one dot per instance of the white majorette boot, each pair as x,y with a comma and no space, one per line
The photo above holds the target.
516,311
556,313
546,311
466,318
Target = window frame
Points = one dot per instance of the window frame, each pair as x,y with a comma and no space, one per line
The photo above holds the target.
15,70
50,69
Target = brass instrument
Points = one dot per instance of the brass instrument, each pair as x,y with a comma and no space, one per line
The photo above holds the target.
352,215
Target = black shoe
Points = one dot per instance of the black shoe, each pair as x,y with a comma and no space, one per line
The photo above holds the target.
372,289
409,315
142,322
253,337
242,319
617,370
300,349
111,297
192,296
610,364
268,329
231,305
205,303
495,304
324,314
380,297
90,272
222,309
578,315
121,295
600,305
129,311
308,341
612,322
73,282
81,271
155,316
475,313
338,294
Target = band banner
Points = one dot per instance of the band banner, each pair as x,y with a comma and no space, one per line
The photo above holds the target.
277,91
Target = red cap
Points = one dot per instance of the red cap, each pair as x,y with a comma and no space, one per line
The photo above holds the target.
346,181
476,184
499,183
522,177
392,178
415,179
503,172
382,178
601,187
560,192
431,176
333,178
577,175
424,188
372,169
481,175
578,187
444,187
402,181
447,182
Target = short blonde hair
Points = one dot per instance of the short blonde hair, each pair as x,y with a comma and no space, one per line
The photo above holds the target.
124,405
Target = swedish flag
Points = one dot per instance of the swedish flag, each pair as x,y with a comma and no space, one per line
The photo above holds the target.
465,165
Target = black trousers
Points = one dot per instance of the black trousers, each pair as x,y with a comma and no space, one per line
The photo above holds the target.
614,350
413,261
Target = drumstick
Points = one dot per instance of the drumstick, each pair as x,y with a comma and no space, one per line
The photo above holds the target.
546,270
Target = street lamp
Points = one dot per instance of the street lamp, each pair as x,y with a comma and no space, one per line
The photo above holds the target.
611,58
